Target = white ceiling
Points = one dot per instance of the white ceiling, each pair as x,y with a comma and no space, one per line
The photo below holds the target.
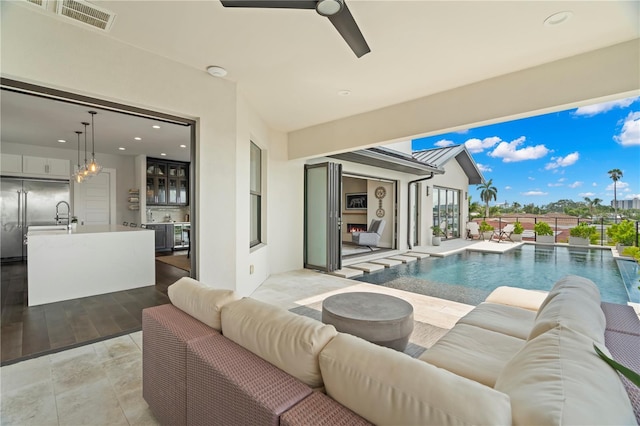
290,64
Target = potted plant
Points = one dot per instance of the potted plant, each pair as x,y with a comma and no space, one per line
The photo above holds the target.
486,230
582,234
544,233
518,229
622,234
437,235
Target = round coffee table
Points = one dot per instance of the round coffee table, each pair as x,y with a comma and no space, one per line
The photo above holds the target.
379,318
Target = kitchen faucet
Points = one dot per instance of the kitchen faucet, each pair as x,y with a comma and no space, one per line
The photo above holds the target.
58,217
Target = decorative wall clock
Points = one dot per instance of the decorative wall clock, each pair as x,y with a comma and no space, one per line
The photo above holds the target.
380,194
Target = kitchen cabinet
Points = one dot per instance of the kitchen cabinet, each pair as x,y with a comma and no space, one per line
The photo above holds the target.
26,165
50,167
164,235
167,183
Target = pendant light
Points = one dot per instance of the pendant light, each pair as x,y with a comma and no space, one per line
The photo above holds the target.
93,166
85,169
78,176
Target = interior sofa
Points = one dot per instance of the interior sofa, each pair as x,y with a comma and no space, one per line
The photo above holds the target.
521,357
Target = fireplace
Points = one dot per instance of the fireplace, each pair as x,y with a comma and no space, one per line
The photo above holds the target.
356,227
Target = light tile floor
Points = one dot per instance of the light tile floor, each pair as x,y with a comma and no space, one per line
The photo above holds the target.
101,383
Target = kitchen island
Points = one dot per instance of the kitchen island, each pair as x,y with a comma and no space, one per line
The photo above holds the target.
87,261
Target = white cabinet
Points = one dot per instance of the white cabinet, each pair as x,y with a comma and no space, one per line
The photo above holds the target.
10,164
50,167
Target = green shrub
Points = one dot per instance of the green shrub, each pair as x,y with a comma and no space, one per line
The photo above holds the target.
632,252
584,230
485,227
543,228
622,233
518,228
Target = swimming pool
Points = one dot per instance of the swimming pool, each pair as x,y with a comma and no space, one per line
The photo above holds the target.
470,276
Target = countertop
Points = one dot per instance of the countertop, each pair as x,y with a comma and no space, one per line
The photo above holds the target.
173,222
87,229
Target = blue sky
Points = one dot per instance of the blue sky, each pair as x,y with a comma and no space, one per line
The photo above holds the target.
562,155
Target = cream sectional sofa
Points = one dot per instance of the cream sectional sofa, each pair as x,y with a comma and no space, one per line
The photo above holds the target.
212,359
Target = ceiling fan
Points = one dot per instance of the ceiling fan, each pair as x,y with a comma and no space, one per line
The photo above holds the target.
336,10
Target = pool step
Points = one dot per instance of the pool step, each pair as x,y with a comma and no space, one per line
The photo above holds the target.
347,273
367,267
403,259
387,262
417,254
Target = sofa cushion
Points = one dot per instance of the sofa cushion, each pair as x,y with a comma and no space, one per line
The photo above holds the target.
558,379
473,352
573,302
289,341
518,297
200,301
505,319
388,387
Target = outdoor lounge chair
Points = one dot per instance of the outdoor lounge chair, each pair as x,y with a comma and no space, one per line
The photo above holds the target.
473,230
371,238
505,233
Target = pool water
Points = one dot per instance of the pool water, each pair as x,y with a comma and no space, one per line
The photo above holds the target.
470,276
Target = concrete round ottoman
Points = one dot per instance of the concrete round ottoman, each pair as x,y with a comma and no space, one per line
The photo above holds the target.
379,318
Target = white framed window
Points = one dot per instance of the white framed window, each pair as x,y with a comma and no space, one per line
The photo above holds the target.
255,194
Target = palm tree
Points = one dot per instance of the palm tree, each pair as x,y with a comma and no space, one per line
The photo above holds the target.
590,203
615,175
488,192
516,206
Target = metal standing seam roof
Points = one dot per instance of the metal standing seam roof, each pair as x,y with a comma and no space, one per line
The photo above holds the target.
438,157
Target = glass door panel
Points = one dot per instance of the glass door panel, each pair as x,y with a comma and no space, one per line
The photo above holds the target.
173,190
151,190
161,197
182,191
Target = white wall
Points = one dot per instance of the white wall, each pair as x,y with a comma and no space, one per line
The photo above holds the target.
123,164
87,62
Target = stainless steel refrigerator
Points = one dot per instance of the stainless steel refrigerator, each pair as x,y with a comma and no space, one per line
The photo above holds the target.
26,202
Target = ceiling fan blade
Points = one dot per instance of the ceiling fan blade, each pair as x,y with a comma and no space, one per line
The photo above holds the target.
348,29
276,4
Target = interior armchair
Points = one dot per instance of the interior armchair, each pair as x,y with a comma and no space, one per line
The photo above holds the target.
371,238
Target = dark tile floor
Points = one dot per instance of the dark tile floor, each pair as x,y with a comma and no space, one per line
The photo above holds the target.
37,330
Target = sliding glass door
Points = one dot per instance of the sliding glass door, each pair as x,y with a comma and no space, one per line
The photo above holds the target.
323,216
446,210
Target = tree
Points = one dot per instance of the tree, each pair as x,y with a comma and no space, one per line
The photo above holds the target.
488,192
516,206
615,175
590,204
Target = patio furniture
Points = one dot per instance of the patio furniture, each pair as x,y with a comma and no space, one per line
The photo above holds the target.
473,230
371,238
505,233
378,318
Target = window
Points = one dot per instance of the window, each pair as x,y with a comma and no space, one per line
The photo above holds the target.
446,209
255,194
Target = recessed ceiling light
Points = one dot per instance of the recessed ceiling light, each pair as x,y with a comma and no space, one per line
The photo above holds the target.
216,71
344,92
62,141
121,148
163,154
138,138
183,146
558,18
155,126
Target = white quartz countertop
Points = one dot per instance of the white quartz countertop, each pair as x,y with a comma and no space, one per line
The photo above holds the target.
87,229
168,223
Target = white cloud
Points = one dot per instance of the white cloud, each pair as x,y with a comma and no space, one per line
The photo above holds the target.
569,160
531,178
594,184
619,185
586,194
632,196
592,110
552,185
463,132
534,193
507,187
484,168
444,142
476,145
575,184
510,153
630,133
562,179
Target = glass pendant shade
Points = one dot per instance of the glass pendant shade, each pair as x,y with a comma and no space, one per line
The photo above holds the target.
77,175
93,166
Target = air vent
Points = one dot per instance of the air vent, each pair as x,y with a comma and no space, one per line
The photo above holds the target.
86,13
40,3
